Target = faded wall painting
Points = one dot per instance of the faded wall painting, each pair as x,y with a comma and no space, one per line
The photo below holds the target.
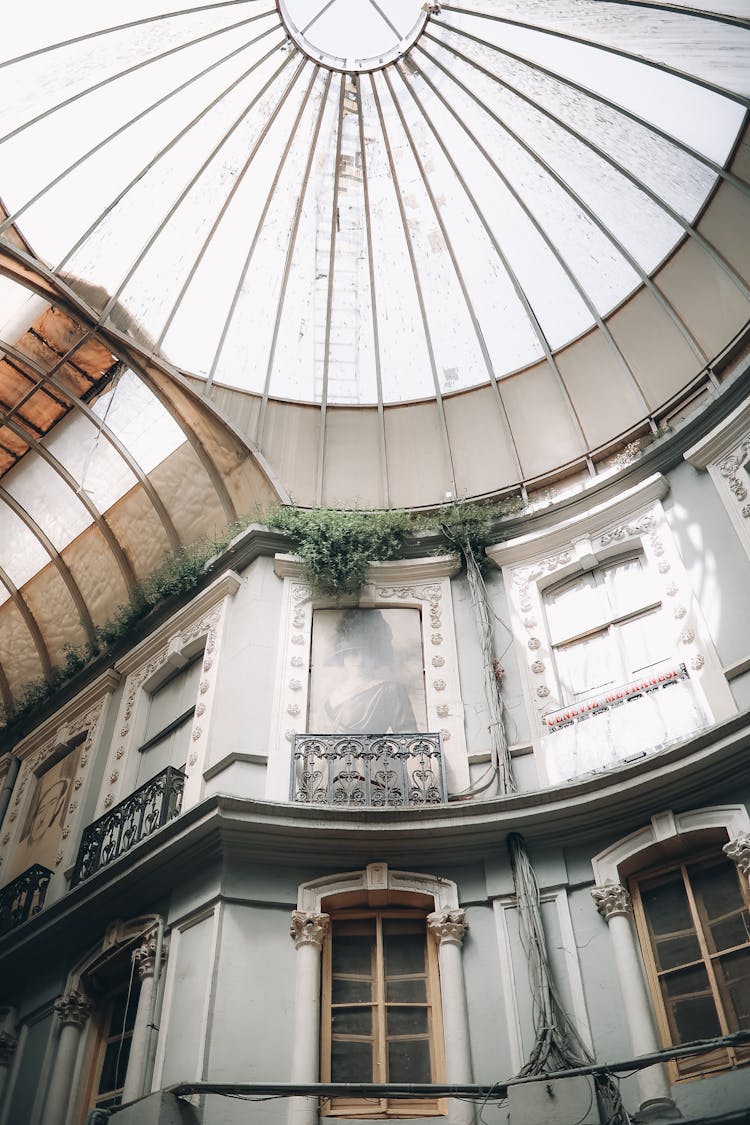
367,672
46,814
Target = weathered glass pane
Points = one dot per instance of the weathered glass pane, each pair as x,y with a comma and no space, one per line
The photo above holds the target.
407,1021
734,972
406,989
352,953
690,1005
409,1060
351,1062
352,1021
404,953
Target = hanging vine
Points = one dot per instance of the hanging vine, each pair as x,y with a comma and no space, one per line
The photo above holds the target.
557,1044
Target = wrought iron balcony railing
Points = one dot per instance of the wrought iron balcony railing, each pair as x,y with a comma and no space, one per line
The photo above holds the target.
129,822
23,897
368,770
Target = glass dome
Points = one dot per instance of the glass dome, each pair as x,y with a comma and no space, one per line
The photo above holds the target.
369,204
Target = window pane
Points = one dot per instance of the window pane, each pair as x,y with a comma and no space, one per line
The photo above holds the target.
588,665
644,642
690,1005
627,587
119,1017
113,1073
409,1060
574,608
668,913
407,1021
352,1021
717,893
347,991
404,953
352,954
407,990
733,974
351,1062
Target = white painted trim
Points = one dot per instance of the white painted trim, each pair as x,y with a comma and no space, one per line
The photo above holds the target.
226,586
729,431
507,976
737,669
664,826
422,584
537,543
55,727
374,878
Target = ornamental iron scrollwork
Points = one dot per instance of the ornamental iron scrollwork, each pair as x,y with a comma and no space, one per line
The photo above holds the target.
24,897
132,820
368,770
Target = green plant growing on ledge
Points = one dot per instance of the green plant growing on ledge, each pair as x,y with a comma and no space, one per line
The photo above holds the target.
336,547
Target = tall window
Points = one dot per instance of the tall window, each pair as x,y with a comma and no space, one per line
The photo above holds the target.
171,707
605,628
381,1009
694,925
115,1024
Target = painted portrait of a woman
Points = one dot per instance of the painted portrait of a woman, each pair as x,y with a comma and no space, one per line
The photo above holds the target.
367,672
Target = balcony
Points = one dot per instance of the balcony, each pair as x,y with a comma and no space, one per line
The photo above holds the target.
368,770
125,825
24,897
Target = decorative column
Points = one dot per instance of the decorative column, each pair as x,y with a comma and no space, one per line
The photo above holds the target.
73,1010
145,960
738,850
448,928
614,904
8,1044
308,931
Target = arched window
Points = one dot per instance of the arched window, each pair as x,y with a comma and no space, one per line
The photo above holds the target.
693,921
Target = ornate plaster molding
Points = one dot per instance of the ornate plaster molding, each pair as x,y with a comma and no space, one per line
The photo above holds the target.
73,1008
612,899
392,572
738,850
145,955
448,927
308,928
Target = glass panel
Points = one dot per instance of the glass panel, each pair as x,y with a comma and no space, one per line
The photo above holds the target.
404,953
574,608
347,991
717,892
645,642
407,1021
690,1005
589,665
406,989
733,975
352,1021
119,1015
625,585
352,953
113,1069
409,1060
668,914
351,1062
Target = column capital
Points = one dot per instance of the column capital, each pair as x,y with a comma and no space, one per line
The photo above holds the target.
308,928
8,1044
738,849
612,899
145,955
448,927
73,1008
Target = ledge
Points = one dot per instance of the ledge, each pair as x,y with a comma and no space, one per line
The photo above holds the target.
391,572
221,828
721,439
539,543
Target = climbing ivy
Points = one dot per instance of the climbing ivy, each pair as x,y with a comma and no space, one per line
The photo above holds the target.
336,547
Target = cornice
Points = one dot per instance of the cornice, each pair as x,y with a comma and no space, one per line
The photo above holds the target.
103,685
721,439
394,572
593,811
590,520
225,586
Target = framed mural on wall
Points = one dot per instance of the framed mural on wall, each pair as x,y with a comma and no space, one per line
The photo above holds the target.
367,672
46,813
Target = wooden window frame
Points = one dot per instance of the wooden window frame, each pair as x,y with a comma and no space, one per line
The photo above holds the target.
102,1036
383,1108
721,1058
